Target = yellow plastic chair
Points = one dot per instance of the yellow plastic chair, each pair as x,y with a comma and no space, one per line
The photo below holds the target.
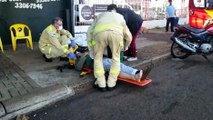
1,46
21,32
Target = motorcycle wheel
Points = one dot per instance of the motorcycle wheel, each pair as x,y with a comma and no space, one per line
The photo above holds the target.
178,52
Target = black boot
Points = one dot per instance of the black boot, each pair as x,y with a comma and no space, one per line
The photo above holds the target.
47,59
99,88
111,88
64,59
147,71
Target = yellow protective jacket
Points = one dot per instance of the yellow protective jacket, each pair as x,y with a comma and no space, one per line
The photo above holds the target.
109,21
50,37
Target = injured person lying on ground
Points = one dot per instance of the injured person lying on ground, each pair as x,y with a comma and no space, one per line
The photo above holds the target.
84,62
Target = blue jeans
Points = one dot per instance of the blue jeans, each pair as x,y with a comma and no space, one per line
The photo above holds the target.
126,69
171,21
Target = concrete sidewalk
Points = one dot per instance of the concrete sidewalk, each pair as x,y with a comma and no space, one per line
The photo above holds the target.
29,83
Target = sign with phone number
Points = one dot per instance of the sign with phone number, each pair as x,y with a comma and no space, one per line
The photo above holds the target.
28,5
38,4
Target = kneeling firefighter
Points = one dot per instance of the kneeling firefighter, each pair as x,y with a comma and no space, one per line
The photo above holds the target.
54,42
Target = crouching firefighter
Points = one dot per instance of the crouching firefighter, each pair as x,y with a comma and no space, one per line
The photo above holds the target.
54,42
108,29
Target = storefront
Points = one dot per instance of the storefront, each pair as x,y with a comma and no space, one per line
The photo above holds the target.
37,14
77,14
152,11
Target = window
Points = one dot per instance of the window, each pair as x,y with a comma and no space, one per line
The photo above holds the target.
209,4
199,3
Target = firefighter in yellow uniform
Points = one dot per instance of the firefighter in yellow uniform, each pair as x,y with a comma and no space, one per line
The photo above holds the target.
108,29
54,41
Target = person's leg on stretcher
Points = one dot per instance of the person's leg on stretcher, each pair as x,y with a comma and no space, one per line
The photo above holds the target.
128,72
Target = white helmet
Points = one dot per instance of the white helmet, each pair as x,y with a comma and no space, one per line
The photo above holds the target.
205,47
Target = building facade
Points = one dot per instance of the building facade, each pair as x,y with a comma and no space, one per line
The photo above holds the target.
37,14
152,11
77,14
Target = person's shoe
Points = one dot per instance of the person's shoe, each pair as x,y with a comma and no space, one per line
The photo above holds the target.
111,82
64,59
102,89
147,71
111,88
47,59
138,76
132,59
125,57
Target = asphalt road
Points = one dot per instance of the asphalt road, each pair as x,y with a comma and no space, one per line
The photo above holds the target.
181,90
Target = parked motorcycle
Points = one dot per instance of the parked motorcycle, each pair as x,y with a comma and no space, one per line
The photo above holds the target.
189,41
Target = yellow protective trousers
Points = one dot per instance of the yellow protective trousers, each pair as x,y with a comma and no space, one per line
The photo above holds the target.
115,42
52,51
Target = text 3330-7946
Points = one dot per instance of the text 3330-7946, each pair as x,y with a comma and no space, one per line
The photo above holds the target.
28,5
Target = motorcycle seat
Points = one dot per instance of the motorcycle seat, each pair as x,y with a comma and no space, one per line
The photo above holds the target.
194,30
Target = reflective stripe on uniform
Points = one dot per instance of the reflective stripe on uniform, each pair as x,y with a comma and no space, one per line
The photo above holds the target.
106,26
42,49
66,45
50,50
70,37
101,28
99,72
65,50
114,71
91,43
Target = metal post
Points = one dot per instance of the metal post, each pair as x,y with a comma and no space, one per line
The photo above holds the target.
68,19
72,17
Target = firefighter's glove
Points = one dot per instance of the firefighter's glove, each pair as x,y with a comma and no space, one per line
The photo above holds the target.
72,56
72,44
